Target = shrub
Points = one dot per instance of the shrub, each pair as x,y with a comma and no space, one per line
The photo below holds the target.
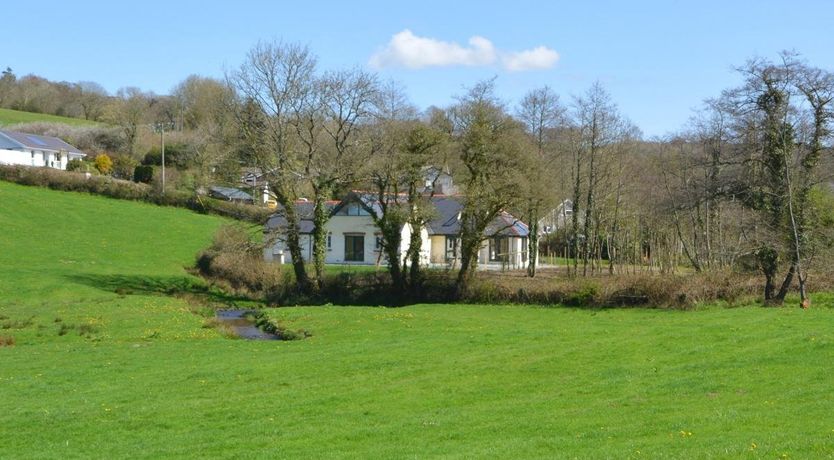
177,154
76,164
123,166
235,260
103,163
143,174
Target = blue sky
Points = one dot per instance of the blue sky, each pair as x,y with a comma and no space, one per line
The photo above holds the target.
659,59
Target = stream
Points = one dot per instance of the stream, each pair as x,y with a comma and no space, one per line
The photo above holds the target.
242,326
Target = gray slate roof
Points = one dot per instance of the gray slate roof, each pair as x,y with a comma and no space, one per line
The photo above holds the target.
229,193
16,140
305,215
446,221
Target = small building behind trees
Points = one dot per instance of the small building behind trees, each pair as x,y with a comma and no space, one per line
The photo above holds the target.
230,194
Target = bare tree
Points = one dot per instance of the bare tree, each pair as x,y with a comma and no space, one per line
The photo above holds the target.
129,111
92,98
402,151
541,113
600,127
272,79
344,103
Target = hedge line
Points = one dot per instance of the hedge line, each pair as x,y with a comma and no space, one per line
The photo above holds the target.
127,190
234,263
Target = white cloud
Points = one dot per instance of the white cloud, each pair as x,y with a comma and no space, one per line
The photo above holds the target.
540,57
414,52
408,50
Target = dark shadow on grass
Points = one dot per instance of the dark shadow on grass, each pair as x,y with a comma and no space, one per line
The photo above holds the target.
173,286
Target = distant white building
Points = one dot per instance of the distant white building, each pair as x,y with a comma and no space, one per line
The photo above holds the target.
35,150
557,218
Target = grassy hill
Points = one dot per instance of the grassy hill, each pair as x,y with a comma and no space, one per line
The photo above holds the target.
11,117
106,364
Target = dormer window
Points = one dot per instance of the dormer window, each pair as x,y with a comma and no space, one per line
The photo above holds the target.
354,209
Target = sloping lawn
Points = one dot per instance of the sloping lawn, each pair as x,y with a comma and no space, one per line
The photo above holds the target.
106,364
11,117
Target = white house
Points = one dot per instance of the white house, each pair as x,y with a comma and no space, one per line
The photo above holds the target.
557,218
34,150
255,179
505,243
352,236
354,239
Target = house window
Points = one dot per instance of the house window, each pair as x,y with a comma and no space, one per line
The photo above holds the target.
33,154
354,209
378,243
58,157
499,248
451,247
330,241
354,248
524,250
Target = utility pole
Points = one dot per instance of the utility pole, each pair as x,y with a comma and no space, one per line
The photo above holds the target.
161,128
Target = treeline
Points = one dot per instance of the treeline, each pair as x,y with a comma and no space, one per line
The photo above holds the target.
750,181
741,188
745,186
131,123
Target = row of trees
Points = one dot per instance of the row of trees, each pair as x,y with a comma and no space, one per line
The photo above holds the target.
192,106
741,185
748,180
744,185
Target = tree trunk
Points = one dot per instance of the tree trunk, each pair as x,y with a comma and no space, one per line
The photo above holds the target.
533,243
415,245
577,191
293,243
320,217
468,262
392,240
779,299
589,212
768,258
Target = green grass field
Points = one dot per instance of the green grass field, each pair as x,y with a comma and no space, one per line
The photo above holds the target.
11,117
135,375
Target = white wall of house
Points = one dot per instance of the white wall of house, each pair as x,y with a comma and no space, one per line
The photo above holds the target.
37,158
339,227
514,256
438,249
433,249
15,157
